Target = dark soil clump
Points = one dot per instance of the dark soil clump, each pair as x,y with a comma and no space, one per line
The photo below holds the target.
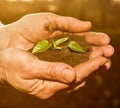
65,54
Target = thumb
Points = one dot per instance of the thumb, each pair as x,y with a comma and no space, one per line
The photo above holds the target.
70,24
54,71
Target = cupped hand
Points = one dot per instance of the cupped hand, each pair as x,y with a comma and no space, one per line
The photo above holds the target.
24,33
27,73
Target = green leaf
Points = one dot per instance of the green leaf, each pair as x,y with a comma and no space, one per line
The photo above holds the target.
41,46
60,41
56,47
75,47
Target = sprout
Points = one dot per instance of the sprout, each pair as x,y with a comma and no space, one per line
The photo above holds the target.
58,42
75,47
41,46
45,45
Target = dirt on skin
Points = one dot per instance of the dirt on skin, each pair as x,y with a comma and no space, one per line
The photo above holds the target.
65,54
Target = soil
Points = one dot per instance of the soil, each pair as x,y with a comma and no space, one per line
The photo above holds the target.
65,54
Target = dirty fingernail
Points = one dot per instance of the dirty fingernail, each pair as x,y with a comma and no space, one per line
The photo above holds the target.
106,66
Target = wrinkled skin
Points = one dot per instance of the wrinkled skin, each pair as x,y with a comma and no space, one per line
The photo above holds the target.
43,79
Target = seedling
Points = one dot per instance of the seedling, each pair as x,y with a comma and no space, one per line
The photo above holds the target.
45,45
58,42
41,46
75,47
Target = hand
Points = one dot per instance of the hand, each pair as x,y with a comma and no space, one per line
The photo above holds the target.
26,73
100,50
32,28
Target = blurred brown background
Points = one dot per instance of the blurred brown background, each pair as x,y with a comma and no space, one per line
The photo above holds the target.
100,92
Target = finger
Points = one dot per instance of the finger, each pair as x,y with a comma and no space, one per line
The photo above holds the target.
75,87
79,85
97,38
106,51
69,24
87,68
56,33
54,71
73,25
49,89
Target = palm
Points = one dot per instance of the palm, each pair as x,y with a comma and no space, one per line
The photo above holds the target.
29,31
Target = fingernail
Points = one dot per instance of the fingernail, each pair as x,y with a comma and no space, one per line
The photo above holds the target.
104,67
89,23
69,75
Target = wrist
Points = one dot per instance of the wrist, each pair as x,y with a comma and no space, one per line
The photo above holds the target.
2,69
4,37
3,44
2,76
